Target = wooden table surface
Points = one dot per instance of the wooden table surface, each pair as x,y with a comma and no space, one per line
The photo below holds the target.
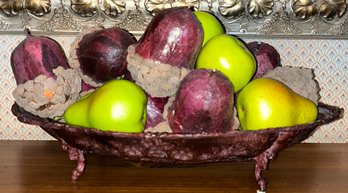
43,167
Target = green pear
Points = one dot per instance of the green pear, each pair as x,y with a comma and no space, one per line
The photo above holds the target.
118,105
210,23
268,103
230,56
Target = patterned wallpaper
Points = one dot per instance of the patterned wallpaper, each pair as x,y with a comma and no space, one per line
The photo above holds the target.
329,59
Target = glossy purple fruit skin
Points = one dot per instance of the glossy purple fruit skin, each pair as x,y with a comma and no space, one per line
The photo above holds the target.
154,110
267,57
174,37
203,103
86,87
37,55
102,53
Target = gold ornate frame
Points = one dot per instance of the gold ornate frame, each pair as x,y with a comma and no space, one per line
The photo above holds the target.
261,17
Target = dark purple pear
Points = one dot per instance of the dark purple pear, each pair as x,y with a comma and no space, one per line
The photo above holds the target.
267,57
100,55
203,103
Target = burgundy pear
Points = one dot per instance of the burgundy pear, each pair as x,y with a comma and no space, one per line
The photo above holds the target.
37,55
203,103
173,37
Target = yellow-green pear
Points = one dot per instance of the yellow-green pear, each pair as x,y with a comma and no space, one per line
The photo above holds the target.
268,103
118,105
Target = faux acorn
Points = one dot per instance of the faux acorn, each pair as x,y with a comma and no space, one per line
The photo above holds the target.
166,52
46,85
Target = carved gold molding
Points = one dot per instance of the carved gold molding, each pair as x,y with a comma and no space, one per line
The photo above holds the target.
265,17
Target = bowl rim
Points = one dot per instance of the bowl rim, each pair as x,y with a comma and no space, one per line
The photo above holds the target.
335,113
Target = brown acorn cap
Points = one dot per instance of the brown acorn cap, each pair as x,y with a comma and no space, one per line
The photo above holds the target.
156,78
48,97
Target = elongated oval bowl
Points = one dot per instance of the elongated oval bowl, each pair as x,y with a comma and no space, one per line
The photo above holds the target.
181,148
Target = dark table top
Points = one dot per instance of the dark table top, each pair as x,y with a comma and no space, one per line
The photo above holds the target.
43,167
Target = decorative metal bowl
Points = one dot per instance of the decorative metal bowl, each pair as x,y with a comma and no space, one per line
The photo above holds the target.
260,146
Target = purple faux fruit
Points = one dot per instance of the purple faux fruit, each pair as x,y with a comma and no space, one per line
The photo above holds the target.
166,52
86,87
154,109
203,103
46,85
100,54
267,57
173,37
37,55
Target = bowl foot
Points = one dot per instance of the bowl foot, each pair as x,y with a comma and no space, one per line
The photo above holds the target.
261,163
79,156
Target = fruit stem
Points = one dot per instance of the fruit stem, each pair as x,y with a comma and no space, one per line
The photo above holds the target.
27,31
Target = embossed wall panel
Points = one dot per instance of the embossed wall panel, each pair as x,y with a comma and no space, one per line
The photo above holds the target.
329,59
277,17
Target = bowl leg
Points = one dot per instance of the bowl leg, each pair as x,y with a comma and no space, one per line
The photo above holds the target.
261,163
79,156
